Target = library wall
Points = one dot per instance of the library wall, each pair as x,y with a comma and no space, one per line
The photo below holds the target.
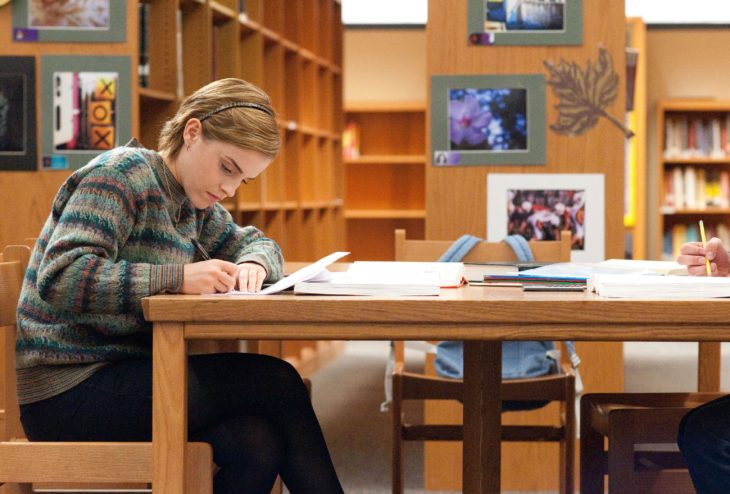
680,65
25,197
384,65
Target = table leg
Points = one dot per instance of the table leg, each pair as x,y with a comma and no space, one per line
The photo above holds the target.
708,367
482,416
169,408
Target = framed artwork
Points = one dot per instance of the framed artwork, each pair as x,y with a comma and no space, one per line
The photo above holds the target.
525,22
86,108
66,21
488,120
540,206
18,147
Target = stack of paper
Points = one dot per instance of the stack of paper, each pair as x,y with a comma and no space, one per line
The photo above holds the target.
662,287
387,279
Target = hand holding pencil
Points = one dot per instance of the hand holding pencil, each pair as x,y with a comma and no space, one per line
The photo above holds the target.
704,245
698,255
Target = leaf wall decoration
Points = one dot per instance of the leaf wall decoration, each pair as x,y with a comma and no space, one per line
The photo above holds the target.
584,95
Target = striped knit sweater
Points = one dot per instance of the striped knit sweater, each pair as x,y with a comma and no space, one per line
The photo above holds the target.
110,240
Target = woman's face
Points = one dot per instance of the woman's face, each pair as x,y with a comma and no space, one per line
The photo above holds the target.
210,170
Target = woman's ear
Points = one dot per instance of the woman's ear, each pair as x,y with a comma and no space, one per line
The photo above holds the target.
193,131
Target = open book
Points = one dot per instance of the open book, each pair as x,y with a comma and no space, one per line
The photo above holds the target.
316,270
661,287
387,279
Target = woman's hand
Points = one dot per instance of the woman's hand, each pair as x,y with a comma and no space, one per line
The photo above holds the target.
693,256
213,276
251,277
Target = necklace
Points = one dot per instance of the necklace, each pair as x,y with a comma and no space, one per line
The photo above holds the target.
168,189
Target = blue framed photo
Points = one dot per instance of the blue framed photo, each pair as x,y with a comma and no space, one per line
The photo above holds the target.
525,22
488,120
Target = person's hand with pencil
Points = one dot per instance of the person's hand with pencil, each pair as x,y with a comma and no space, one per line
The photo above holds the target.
694,256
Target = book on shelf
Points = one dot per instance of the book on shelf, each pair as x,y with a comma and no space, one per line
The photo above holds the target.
695,187
351,141
659,287
143,66
385,278
680,233
696,137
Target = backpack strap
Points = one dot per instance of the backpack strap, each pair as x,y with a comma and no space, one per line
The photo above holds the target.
520,247
522,250
459,248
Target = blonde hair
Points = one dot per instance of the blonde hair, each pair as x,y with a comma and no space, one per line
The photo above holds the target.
232,111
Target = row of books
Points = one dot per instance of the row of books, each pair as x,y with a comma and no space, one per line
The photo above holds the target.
681,233
696,137
695,187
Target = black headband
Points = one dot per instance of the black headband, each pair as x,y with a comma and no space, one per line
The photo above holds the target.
241,104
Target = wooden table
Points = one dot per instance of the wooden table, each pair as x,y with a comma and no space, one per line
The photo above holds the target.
481,316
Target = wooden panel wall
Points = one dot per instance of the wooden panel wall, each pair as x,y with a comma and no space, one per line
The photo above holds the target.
456,197
25,197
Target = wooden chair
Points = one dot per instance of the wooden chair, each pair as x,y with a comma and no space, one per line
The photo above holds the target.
416,386
23,463
641,456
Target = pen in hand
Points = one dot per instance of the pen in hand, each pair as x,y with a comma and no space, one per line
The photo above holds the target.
200,250
704,243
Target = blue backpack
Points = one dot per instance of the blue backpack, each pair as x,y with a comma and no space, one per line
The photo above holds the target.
520,359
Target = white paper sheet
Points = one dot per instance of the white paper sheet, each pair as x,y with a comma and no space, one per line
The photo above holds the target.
316,270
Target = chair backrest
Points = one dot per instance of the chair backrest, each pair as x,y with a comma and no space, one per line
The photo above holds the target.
12,269
431,250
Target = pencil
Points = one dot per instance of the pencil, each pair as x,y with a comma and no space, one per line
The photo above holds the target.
704,242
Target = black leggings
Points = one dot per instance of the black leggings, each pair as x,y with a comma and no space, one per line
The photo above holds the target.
253,409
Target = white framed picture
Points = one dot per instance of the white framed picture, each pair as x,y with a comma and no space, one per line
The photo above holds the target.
540,205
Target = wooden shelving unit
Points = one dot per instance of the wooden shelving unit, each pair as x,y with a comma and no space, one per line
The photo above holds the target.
635,182
385,185
694,171
298,200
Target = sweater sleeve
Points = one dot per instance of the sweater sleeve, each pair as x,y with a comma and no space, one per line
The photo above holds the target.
224,239
79,270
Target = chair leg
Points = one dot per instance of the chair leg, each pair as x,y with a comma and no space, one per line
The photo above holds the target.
199,468
397,440
591,452
567,445
621,431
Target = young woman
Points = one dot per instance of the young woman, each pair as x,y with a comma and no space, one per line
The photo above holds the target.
136,222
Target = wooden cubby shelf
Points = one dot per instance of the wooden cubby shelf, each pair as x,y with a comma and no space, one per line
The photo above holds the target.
385,183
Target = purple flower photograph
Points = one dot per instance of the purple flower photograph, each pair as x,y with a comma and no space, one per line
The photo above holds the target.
488,119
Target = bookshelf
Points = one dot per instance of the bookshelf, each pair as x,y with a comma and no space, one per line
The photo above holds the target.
694,171
385,178
298,200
